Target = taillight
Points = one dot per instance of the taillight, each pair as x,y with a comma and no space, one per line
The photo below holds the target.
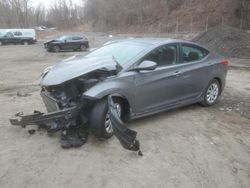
224,62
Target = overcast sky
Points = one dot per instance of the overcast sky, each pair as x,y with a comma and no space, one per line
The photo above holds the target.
47,3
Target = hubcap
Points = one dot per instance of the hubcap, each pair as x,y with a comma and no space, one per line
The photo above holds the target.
108,125
212,93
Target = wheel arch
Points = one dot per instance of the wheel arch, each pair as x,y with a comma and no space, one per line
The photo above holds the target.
125,105
220,82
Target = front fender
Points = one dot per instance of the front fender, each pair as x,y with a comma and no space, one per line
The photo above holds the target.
107,88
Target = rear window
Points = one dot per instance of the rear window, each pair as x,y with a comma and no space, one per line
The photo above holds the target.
192,53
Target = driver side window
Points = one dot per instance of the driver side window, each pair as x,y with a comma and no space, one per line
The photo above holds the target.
163,56
9,35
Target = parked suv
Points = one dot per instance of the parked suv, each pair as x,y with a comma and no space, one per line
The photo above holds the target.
67,42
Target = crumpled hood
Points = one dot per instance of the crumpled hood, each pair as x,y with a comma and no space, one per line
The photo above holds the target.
54,40
76,66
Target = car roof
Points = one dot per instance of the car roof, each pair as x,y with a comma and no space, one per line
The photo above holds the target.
152,41
155,41
72,36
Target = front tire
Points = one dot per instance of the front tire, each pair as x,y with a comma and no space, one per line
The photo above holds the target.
1,43
212,93
83,47
56,48
100,124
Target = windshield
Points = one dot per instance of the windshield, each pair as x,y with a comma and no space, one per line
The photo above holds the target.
64,38
122,51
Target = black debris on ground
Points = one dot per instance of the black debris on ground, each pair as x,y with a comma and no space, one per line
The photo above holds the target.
22,94
31,131
227,41
73,137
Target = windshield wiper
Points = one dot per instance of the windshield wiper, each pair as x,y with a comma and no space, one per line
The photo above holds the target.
118,66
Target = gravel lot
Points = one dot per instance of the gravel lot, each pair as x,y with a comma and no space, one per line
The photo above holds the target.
188,147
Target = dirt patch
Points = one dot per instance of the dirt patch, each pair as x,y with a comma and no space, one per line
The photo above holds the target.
232,103
228,41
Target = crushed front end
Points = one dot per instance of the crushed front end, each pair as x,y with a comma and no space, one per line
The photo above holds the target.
68,111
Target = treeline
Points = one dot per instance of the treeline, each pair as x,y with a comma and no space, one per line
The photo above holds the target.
166,15
128,15
21,13
121,14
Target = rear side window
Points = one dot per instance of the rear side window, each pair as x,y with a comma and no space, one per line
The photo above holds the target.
192,53
17,33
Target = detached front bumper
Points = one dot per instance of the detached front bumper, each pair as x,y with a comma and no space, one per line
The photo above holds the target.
62,117
47,46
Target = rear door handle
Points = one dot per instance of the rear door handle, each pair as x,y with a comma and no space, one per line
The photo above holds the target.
177,73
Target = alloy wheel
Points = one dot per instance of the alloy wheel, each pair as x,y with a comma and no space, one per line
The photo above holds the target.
108,124
212,93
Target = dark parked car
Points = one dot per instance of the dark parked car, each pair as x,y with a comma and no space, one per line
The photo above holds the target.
144,76
67,43
16,38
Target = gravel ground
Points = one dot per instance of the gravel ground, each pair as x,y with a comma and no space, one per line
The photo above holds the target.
187,147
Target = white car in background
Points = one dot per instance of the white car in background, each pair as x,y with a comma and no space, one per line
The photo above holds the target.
17,36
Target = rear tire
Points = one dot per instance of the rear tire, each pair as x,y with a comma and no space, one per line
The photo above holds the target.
25,43
1,43
100,124
56,48
211,93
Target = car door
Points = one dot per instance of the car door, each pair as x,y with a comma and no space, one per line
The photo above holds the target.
67,44
9,38
17,37
193,70
76,42
157,88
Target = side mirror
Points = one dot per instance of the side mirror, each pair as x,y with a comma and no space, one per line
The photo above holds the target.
146,66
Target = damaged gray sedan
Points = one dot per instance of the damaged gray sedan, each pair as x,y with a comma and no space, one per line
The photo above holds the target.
144,76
